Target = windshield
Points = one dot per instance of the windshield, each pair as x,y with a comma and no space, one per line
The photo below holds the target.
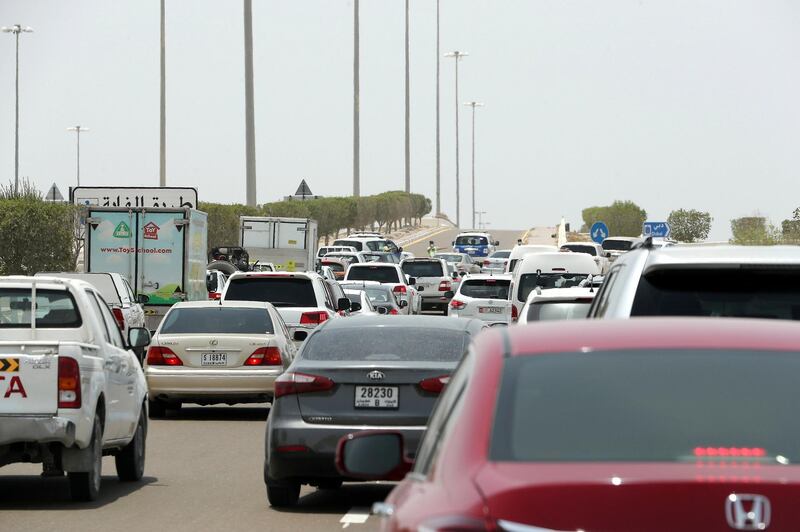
500,255
559,310
280,291
654,405
449,257
747,292
576,248
373,273
54,309
217,320
423,269
485,288
405,344
529,281
617,245
379,245
380,295
472,241
354,243
335,266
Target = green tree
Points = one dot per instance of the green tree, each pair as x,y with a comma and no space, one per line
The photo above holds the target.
689,225
623,218
754,231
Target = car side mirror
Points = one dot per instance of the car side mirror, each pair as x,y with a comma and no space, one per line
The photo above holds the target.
402,303
462,274
449,294
138,337
608,254
412,281
496,243
343,304
382,310
300,335
372,455
455,275
143,299
355,307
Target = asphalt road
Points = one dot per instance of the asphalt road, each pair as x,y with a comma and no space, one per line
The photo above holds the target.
508,239
203,472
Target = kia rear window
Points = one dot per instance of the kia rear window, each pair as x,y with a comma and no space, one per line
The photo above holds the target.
53,309
751,292
559,310
485,288
648,406
373,273
280,291
529,281
217,320
389,344
423,269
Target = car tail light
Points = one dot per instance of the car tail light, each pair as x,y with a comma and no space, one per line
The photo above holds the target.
215,296
400,289
514,313
457,305
162,356
292,449
313,318
487,262
294,383
727,452
117,312
393,311
69,383
434,384
265,356
444,286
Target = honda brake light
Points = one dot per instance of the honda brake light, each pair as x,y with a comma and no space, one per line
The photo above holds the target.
265,356
69,383
295,383
162,356
435,384
119,317
457,305
313,318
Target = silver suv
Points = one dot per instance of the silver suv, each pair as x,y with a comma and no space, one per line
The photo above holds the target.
725,281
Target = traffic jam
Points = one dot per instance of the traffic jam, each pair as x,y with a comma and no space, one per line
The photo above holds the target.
541,387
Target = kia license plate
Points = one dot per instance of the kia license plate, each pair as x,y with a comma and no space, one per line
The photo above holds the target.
214,359
490,310
377,397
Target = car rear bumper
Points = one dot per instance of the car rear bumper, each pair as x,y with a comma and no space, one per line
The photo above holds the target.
38,429
187,384
305,452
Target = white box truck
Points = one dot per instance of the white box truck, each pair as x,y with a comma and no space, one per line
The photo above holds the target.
161,252
289,243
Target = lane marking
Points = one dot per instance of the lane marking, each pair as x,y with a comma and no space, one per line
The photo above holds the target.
357,515
429,236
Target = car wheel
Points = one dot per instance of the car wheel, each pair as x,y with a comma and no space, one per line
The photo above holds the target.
332,484
282,494
85,485
157,408
130,460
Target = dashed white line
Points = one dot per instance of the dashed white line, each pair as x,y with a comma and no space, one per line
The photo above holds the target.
356,516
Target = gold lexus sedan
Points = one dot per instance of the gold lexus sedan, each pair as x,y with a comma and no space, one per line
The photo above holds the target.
209,352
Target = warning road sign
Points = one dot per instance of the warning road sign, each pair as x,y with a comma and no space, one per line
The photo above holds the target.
9,364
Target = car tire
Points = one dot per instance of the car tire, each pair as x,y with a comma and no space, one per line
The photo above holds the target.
130,460
282,494
85,485
332,484
158,410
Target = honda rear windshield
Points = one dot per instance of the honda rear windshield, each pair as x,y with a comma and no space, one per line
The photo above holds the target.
648,406
423,269
559,310
381,274
472,241
217,320
529,281
485,288
617,245
388,344
280,291
757,292
53,308
591,250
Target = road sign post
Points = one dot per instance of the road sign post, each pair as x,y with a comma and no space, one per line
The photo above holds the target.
656,229
599,232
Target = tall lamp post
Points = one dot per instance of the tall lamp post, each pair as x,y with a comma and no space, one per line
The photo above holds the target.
438,166
408,114
473,104
16,29
78,130
356,106
457,56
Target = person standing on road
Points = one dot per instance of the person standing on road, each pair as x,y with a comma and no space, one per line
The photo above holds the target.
431,249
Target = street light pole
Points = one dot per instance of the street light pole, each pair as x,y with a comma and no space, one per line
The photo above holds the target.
249,119
457,56
16,29
408,114
438,166
162,127
356,106
473,104
78,130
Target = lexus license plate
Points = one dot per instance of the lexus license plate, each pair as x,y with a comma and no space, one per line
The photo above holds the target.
214,359
377,397
490,310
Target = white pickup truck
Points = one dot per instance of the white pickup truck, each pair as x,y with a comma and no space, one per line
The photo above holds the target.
71,389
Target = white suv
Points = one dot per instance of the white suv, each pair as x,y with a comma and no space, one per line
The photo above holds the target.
391,274
485,297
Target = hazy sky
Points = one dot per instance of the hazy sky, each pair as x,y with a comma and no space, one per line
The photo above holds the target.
669,103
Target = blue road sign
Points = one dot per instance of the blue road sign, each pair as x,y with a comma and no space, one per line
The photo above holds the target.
599,232
656,229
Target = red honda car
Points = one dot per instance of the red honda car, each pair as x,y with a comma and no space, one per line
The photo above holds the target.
645,424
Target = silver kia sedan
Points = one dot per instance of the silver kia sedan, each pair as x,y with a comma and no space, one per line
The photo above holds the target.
371,372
